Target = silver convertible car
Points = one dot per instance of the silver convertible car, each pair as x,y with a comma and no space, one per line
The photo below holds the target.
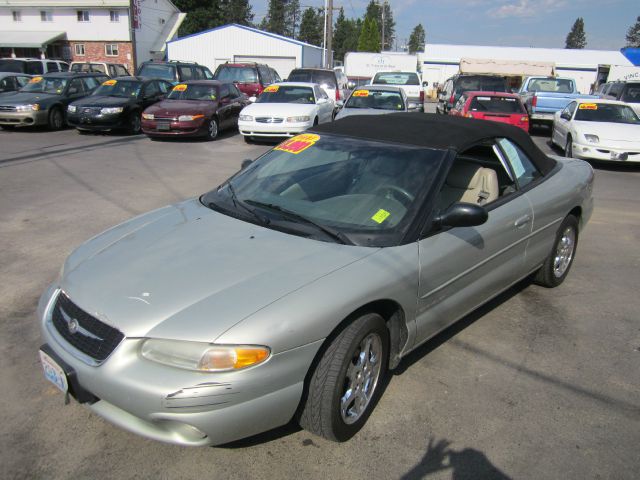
290,291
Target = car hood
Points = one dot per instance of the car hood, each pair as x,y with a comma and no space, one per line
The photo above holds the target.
278,109
187,272
181,107
103,101
347,112
22,98
610,131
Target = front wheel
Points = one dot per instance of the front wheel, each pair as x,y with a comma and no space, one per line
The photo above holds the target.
568,148
56,119
347,381
134,123
212,129
556,267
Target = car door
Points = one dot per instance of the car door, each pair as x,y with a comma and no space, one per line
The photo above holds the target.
225,107
75,90
461,268
237,104
324,104
150,93
562,124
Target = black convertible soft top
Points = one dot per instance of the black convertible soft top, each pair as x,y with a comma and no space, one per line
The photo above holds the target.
434,131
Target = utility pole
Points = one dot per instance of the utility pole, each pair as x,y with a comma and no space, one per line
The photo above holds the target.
329,43
383,11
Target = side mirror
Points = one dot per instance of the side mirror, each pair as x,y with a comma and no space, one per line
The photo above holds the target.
339,103
463,215
425,84
322,100
245,163
351,85
565,116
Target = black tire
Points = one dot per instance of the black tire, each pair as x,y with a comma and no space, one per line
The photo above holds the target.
315,121
556,266
56,119
320,412
568,148
248,139
212,129
134,125
7,127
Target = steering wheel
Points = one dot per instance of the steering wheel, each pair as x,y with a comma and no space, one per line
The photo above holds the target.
398,193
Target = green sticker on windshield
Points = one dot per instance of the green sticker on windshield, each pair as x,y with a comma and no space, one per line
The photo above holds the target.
380,216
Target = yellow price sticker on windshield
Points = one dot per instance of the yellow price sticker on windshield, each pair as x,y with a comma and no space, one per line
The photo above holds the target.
109,83
181,87
299,143
380,216
588,106
361,93
272,88
35,80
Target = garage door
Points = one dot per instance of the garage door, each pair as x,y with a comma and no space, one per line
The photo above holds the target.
282,65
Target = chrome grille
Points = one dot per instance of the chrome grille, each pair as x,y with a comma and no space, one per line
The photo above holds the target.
269,120
6,108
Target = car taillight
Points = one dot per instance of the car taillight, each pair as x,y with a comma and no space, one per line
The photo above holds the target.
534,101
452,99
337,94
469,115
524,119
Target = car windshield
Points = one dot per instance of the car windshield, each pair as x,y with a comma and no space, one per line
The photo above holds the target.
236,74
367,192
165,72
184,91
119,88
381,100
327,79
481,83
551,85
396,78
286,94
631,94
496,105
603,112
45,85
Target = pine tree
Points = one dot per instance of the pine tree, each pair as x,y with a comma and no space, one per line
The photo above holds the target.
293,18
237,11
576,38
417,39
375,10
633,35
310,27
369,40
276,19
200,15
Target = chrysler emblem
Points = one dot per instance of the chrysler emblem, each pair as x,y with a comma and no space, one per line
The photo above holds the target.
74,327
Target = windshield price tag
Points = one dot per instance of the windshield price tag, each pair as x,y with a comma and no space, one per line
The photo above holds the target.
35,80
588,106
109,83
272,88
180,88
380,216
361,93
298,143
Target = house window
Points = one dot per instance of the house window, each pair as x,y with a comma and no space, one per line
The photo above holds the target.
115,15
17,16
79,49
111,49
83,15
45,16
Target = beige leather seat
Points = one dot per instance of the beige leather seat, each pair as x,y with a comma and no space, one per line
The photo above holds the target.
469,183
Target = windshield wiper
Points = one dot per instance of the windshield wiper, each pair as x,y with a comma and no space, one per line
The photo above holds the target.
335,234
239,203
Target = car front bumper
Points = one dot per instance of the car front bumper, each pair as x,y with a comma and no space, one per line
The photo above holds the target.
180,406
174,128
97,122
604,153
284,129
24,119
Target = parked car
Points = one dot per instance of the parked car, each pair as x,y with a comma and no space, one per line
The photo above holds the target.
335,86
374,100
174,71
495,106
111,69
32,66
285,109
628,92
455,86
290,290
117,104
196,108
250,78
544,96
408,81
598,129
11,82
44,100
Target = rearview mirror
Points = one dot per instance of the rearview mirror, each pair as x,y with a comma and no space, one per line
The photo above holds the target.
463,215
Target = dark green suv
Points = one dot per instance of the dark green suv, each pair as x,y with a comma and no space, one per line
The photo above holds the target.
174,71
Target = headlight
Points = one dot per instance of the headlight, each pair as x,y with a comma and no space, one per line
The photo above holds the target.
246,118
298,119
204,357
148,116
25,108
110,110
592,138
189,118
72,108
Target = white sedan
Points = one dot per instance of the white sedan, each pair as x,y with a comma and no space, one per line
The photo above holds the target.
598,130
285,110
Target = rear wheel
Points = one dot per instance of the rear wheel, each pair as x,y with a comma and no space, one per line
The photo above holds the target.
56,119
212,129
556,267
347,381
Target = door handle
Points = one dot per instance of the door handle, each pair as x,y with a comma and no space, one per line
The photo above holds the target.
522,221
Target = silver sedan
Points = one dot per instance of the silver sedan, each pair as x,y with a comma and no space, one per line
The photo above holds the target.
293,288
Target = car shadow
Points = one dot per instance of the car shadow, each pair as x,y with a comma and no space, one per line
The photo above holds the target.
223,135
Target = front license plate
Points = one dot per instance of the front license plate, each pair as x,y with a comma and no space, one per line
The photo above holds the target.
163,126
53,372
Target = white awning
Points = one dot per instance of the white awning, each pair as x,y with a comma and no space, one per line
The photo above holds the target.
29,39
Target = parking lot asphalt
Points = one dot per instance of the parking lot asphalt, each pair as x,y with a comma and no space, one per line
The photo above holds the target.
538,384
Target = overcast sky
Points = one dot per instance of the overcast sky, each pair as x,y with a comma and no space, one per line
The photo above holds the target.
521,23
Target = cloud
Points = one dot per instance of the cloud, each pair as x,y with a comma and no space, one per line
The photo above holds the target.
527,8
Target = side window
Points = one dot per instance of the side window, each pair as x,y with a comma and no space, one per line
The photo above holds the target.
34,68
7,84
224,91
207,73
185,73
460,104
64,67
52,67
22,81
112,71
524,170
235,93
265,75
323,94
571,108
164,86
275,76
90,83
75,87
151,90
121,71
616,89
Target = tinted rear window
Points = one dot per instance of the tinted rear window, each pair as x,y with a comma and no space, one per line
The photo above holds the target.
631,93
396,78
496,105
552,85
483,84
226,73
323,78
165,72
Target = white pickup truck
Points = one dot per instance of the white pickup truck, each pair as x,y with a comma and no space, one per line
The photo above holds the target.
408,81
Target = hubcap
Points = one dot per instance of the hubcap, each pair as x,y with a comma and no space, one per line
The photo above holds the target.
564,252
362,378
213,129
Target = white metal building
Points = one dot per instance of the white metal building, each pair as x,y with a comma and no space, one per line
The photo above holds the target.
237,43
441,61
